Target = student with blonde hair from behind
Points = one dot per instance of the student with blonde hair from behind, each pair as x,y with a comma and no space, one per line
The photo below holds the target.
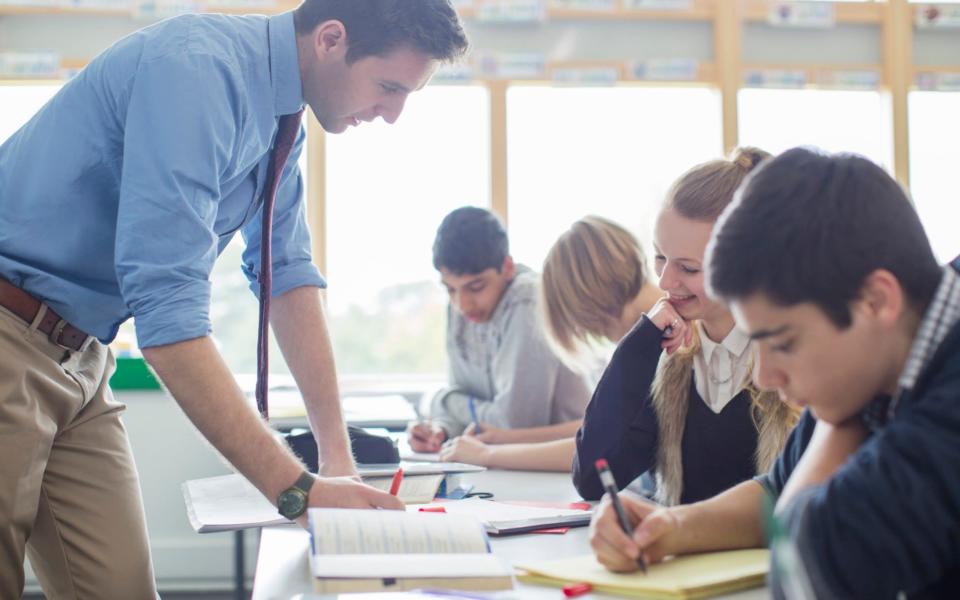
595,287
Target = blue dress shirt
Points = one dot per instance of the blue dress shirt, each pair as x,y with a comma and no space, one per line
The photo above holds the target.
119,194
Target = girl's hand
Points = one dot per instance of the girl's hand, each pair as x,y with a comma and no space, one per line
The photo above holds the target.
676,330
466,449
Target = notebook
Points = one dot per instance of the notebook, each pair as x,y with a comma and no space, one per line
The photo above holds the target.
383,550
684,577
501,518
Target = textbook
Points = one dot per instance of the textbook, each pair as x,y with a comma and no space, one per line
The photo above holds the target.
385,550
503,518
684,577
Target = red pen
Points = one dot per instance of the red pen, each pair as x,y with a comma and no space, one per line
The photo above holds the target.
395,484
572,590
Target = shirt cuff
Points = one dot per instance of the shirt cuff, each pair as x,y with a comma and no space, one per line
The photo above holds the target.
173,315
289,276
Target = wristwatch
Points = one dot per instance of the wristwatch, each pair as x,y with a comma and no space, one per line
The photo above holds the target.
292,502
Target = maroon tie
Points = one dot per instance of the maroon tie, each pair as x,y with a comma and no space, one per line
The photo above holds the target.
286,136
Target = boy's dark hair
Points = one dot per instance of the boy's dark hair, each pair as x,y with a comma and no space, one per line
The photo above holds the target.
810,227
377,27
470,240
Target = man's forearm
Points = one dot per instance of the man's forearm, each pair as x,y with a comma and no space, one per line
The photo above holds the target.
200,381
300,326
727,521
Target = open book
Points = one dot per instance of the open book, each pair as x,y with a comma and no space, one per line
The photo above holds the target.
692,576
382,550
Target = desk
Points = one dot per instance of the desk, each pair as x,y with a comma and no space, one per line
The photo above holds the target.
283,570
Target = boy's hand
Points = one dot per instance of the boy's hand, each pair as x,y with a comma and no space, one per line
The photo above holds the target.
618,551
425,436
465,449
488,433
676,331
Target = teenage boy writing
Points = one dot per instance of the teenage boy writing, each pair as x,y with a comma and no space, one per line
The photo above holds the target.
499,358
826,265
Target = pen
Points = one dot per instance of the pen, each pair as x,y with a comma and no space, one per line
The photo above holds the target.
395,484
610,485
473,415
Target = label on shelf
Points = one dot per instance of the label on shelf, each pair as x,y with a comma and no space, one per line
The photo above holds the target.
665,69
161,9
29,64
580,76
658,4
587,5
801,14
938,82
526,65
511,11
864,79
937,15
775,78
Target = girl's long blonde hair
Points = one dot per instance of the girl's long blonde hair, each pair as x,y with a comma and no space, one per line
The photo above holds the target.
594,270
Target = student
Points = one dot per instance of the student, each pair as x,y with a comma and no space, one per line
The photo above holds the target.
826,265
676,397
115,200
595,286
502,371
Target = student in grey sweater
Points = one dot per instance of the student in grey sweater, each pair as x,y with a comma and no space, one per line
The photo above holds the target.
498,356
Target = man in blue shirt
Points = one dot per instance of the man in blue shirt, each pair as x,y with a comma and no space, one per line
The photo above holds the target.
115,200
826,265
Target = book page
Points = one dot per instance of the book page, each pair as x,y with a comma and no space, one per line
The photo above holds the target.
345,531
415,489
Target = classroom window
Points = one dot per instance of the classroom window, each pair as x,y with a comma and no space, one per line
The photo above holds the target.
611,151
20,102
388,188
234,310
934,148
833,120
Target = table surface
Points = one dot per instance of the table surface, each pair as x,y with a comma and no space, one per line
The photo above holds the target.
283,569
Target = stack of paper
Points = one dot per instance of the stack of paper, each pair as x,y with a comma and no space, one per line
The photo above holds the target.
693,576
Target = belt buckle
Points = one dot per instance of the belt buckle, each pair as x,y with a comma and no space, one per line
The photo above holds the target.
57,331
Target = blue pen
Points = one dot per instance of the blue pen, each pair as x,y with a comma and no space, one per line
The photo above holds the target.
473,415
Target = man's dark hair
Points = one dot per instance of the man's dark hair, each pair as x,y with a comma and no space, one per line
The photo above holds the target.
377,27
810,227
470,240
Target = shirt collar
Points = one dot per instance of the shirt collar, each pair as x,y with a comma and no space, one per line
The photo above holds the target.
284,65
735,343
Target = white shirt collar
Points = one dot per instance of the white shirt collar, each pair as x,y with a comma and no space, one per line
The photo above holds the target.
736,342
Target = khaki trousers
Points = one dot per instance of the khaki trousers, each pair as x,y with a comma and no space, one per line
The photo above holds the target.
69,492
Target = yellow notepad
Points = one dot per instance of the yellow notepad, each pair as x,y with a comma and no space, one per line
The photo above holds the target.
693,576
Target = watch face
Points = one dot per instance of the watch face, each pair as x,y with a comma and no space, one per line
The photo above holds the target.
292,503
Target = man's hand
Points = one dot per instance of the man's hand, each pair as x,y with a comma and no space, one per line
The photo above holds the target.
426,436
465,449
618,551
347,492
342,468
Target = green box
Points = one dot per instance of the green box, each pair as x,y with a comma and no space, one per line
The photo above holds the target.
133,374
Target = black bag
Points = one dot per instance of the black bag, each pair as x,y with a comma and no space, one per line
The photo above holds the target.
367,448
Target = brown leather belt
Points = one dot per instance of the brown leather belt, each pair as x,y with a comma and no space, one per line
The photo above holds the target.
26,307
